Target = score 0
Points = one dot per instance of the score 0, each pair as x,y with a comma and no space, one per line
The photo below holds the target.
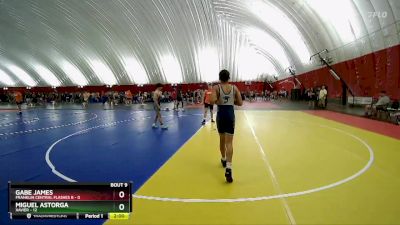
121,195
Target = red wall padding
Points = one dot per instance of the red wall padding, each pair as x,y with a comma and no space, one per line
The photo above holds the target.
366,75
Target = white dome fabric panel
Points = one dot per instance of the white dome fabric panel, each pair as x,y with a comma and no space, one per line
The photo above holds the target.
97,42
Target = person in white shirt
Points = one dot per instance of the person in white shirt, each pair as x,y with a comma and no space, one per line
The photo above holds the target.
323,93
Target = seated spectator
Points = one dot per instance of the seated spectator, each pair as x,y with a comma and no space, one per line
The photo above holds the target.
251,96
383,102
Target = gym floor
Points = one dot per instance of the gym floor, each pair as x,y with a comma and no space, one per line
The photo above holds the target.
290,166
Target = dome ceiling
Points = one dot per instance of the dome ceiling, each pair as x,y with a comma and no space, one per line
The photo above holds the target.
97,42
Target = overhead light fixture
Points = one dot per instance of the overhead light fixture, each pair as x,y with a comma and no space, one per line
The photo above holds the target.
171,68
292,70
47,75
344,24
6,79
5,88
268,44
135,70
103,72
251,64
28,88
208,63
280,23
80,86
22,75
73,73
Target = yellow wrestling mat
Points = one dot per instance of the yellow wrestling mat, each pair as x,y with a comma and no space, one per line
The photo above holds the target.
289,168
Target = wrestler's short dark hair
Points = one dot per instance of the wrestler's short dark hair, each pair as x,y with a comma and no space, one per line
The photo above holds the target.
224,75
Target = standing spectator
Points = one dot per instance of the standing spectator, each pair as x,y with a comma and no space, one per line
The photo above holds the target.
207,104
251,96
323,93
174,96
18,101
86,96
179,99
311,95
128,97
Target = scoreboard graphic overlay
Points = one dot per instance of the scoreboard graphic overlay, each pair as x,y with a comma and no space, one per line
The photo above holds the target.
70,200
